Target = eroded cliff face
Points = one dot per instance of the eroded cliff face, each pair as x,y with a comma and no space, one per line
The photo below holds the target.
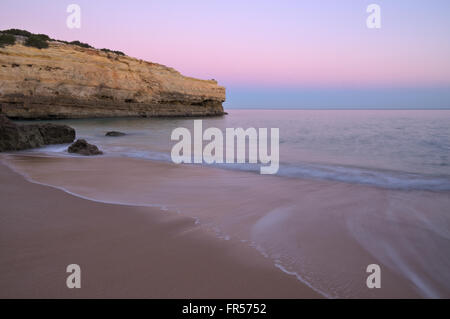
67,81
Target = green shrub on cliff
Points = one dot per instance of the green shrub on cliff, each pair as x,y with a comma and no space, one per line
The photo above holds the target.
43,37
37,41
26,34
7,39
112,51
17,32
33,40
40,41
81,44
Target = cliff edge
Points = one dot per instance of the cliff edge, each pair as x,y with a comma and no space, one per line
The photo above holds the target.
70,81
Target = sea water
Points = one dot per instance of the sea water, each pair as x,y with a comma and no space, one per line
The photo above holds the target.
354,187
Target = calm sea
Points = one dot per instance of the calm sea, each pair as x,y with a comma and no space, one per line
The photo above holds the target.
408,149
354,188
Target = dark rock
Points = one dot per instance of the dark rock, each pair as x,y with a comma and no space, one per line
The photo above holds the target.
10,138
84,148
14,137
114,133
29,136
56,134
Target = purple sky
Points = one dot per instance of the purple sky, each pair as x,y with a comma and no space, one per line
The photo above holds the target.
303,53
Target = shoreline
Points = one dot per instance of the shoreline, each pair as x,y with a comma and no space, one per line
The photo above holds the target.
123,251
273,217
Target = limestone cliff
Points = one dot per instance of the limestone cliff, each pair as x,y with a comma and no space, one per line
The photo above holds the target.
68,81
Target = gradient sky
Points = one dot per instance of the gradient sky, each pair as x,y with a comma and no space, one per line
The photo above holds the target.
272,53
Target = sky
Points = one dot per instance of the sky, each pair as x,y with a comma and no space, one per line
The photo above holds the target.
272,54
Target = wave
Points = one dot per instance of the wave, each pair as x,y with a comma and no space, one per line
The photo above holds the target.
342,173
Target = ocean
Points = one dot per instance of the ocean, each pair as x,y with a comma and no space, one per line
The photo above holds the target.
354,187
386,148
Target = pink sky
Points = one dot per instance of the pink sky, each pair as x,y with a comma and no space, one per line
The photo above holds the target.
264,44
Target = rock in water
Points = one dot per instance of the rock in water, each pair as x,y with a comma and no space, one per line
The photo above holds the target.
14,137
84,148
114,133
56,134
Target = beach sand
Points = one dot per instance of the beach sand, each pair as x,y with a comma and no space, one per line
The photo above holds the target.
223,233
123,251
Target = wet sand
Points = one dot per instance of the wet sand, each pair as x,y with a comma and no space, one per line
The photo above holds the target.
124,251
323,233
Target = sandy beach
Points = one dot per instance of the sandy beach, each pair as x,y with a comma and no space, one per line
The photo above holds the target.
141,228
123,251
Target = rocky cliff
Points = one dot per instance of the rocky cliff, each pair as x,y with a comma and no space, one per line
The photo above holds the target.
14,137
69,81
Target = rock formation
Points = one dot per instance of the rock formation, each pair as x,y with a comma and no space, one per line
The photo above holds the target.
84,148
69,81
14,137
114,134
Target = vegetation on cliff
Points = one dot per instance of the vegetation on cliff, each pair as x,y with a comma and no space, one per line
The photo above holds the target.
40,41
37,41
111,51
23,33
7,39
78,43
